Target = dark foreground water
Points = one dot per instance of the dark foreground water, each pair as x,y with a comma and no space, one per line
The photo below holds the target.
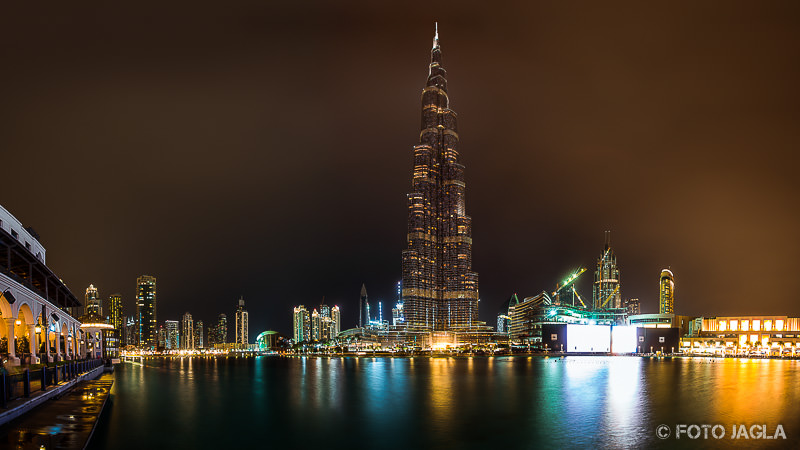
519,402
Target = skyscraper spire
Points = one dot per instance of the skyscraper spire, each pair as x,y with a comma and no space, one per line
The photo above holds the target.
436,36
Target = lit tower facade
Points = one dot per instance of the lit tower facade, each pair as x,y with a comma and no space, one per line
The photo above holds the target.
242,323
117,318
187,332
606,288
439,288
302,324
336,322
198,334
92,301
666,293
146,311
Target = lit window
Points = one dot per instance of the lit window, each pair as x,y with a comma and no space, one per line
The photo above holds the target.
779,325
745,325
723,325
734,325
767,325
756,325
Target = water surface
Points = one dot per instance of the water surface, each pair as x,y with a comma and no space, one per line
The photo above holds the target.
519,401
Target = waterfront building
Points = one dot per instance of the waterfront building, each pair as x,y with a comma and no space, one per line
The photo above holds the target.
198,334
439,287
743,335
267,340
92,301
528,316
146,311
187,332
116,316
315,326
301,325
606,288
32,296
242,323
363,308
173,335
632,306
666,292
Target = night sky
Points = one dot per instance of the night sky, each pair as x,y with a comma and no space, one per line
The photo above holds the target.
264,149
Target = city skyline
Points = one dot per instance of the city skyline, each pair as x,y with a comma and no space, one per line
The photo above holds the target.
689,143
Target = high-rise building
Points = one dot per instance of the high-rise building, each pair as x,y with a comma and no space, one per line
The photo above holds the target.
187,332
198,334
363,307
221,333
439,288
326,321
173,336
397,314
336,322
117,318
606,289
316,326
92,301
146,311
130,336
242,325
162,338
301,324
666,293
632,306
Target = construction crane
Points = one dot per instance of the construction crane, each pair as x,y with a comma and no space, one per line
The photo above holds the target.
610,296
569,282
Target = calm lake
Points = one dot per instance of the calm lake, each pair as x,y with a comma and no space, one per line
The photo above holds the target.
481,402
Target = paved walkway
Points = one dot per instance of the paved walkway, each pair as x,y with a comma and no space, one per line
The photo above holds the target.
63,423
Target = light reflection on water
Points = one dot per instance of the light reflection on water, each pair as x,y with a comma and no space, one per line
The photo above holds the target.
440,402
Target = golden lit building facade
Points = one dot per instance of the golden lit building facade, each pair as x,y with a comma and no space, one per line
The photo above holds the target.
146,311
439,287
768,335
666,292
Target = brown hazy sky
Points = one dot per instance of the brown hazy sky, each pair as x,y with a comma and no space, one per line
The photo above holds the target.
264,148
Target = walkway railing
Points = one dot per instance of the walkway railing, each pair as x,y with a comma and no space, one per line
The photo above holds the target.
19,385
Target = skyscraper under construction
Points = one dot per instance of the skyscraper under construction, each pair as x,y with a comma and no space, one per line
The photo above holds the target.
606,289
439,288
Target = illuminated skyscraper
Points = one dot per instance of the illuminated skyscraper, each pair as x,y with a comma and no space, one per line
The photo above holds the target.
326,321
146,311
316,326
301,324
187,332
666,293
606,289
115,304
198,334
222,329
92,301
242,323
173,336
439,288
336,322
